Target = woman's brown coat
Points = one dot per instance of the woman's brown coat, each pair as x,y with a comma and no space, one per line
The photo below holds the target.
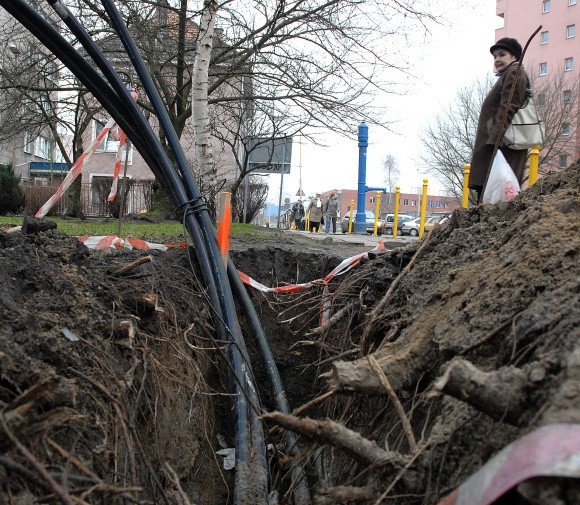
489,127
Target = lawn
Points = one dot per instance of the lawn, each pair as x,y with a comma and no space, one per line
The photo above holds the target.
164,232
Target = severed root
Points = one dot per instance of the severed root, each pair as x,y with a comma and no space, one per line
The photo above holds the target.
344,494
334,319
404,360
131,266
500,394
336,434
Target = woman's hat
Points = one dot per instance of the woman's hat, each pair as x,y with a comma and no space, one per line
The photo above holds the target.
510,45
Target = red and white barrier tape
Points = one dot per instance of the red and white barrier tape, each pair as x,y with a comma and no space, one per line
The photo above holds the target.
552,451
112,241
117,171
75,170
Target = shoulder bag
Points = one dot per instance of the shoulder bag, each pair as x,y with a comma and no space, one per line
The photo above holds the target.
526,129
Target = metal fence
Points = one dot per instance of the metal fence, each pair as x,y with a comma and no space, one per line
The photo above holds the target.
93,201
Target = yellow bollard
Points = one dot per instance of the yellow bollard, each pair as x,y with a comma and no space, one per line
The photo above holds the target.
396,216
465,196
350,216
423,208
377,211
307,222
534,164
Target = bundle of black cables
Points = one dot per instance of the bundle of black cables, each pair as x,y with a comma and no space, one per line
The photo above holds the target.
179,183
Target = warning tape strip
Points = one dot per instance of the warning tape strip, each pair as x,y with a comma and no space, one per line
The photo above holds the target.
100,243
75,170
551,450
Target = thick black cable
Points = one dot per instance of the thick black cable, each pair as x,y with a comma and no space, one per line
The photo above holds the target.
250,454
301,494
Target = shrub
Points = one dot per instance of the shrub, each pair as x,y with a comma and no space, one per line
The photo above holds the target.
12,199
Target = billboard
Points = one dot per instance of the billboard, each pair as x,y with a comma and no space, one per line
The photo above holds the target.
269,155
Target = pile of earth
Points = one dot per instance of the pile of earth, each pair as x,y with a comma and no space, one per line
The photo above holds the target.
406,374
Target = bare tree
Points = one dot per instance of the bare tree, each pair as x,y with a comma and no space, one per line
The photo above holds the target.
257,194
392,172
447,141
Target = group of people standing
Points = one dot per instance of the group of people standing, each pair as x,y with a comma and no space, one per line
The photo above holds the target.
320,212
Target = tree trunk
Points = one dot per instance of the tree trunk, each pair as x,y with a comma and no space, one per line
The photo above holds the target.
200,110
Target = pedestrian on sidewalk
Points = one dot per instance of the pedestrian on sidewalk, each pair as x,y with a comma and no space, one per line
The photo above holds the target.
315,209
299,213
331,212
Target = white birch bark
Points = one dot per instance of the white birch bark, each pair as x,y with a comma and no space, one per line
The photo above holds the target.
200,110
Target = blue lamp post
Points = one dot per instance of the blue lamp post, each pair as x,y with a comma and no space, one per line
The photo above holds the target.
360,225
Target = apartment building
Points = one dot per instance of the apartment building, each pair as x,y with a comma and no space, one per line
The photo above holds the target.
553,62
25,140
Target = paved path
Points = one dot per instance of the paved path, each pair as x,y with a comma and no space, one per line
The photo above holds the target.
366,239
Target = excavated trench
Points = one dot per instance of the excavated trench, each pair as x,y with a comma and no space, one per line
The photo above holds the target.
114,389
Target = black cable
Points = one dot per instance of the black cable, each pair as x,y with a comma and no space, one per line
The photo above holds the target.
250,454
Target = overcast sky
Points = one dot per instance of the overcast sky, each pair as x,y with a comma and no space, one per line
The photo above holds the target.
454,56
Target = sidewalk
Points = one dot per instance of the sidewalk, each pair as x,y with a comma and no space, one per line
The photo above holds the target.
365,240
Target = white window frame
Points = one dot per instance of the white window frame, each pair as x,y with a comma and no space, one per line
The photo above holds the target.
569,64
571,2
546,5
42,147
565,129
544,68
110,145
544,37
570,31
28,146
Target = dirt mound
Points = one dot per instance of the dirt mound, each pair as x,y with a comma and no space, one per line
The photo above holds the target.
112,384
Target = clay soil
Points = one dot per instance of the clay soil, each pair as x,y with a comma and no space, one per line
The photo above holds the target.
113,389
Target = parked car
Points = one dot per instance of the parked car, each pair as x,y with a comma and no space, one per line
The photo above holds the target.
389,220
412,227
370,220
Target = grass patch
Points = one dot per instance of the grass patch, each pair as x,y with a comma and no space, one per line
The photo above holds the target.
163,232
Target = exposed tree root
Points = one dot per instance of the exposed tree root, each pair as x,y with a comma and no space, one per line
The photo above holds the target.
344,494
501,393
330,432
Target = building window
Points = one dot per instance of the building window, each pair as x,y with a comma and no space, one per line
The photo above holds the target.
567,97
28,144
571,2
563,161
405,201
413,203
42,147
372,199
544,38
569,64
429,203
438,204
109,144
570,31
546,6
543,69
541,99
565,129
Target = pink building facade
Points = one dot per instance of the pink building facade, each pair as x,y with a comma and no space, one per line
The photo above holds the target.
553,54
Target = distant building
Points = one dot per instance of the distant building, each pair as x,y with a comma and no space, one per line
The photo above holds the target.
409,203
553,53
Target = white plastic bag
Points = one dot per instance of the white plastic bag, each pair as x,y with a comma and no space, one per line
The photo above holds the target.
502,184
